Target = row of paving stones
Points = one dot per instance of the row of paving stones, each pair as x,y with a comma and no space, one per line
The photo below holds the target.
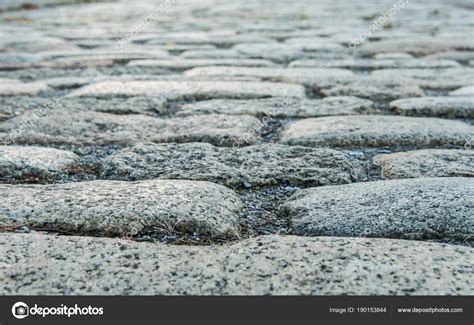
420,208
256,165
82,127
279,265
274,107
267,109
324,81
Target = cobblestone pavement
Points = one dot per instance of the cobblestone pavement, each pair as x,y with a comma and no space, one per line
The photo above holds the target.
250,147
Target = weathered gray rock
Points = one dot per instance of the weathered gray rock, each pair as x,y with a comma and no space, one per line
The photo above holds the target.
213,38
28,89
282,107
449,78
259,165
464,91
106,54
376,64
176,90
462,56
114,208
418,46
62,63
15,105
86,127
420,208
182,64
19,162
23,43
374,88
304,76
278,265
212,54
451,107
427,163
9,81
375,131
286,52
393,56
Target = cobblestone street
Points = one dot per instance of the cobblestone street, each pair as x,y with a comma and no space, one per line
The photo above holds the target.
220,147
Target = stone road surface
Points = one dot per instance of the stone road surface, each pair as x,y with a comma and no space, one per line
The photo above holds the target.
249,147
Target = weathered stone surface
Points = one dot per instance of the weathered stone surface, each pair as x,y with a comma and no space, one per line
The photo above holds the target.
393,55
132,53
452,107
296,75
218,38
259,165
23,43
213,54
420,208
418,46
82,127
282,107
190,90
462,56
464,91
114,208
449,78
427,163
374,88
9,81
375,64
15,88
286,52
375,131
180,64
19,162
277,265
62,63
15,105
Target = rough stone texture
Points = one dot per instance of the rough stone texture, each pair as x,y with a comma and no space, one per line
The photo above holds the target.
302,75
9,81
427,163
464,91
15,105
451,107
20,162
282,107
393,56
418,46
461,56
218,39
374,88
190,90
81,127
15,88
228,92
191,63
114,208
259,165
286,52
277,265
450,78
420,208
375,64
375,131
